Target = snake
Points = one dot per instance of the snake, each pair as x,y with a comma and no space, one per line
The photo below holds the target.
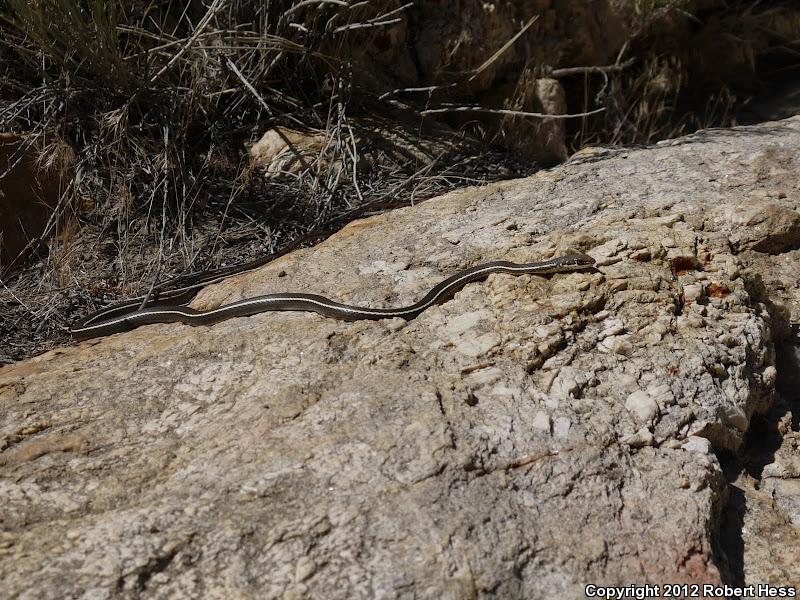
125,316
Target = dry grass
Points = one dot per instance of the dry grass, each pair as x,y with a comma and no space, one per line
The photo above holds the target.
673,86
158,102
149,106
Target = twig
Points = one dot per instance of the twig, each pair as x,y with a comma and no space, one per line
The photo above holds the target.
278,57
263,103
210,14
15,297
567,71
232,66
365,25
307,2
373,22
391,12
354,157
242,175
505,47
514,113
28,142
430,88
29,98
403,184
622,51
160,263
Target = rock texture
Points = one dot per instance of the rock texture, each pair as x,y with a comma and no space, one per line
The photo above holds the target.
525,439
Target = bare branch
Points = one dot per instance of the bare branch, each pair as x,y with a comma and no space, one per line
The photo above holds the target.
505,47
210,14
232,66
308,2
513,113
430,88
566,72
391,12
365,25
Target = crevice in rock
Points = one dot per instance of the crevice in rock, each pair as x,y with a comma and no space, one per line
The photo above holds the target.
744,473
728,543
158,564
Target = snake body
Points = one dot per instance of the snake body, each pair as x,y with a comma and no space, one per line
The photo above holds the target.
121,317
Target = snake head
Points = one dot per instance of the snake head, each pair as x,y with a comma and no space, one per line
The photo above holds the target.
578,261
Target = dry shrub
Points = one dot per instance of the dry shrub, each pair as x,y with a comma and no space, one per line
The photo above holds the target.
156,101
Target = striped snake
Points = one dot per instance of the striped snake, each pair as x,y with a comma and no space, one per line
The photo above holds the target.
125,315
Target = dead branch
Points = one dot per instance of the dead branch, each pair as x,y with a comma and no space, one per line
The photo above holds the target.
212,11
568,71
513,113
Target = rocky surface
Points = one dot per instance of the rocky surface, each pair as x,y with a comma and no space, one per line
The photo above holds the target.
525,439
761,525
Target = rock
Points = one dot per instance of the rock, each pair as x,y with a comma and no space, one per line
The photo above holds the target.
541,140
30,187
281,150
765,227
766,507
697,444
641,438
368,145
642,406
287,454
541,421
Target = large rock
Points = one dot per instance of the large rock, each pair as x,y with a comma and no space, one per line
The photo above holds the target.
523,440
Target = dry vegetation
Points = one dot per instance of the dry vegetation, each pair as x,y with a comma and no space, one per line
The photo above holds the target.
149,106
